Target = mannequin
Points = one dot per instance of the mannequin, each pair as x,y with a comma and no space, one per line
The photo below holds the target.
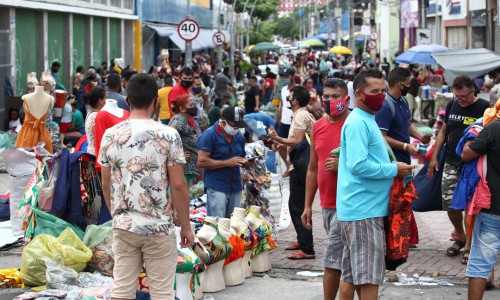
31,82
233,271
111,106
239,224
260,263
212,279
182,280
36,106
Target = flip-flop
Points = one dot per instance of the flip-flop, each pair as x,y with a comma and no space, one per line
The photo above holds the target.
465,258
452,251
301,255
293,246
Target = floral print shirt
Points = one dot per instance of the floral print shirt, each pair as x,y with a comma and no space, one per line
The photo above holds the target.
189,142
138,153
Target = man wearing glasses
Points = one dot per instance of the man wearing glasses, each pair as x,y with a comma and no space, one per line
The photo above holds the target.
462,112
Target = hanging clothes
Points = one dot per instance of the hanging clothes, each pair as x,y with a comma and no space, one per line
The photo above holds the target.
264,233
238,251
103,121
398,223
34,131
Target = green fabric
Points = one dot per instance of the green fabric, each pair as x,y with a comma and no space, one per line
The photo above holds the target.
78,119
189,179
214,115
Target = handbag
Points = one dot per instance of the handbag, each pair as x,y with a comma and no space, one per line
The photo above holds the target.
429,189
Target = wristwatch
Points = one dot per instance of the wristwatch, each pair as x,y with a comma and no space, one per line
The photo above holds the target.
405,145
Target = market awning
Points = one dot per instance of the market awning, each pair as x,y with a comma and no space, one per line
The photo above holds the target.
470,62
203,41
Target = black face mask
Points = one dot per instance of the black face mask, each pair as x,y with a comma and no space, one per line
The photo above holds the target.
187,83
192,111
405,90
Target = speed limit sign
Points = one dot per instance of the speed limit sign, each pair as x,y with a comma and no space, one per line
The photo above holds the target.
219,38
188,30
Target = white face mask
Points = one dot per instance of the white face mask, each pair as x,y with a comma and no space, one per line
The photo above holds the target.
231,130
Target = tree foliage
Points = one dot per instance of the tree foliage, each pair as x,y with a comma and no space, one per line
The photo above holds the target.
287,27
262,11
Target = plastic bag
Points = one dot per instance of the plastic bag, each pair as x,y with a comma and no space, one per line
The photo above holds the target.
57,273
49,224
196,190
89,280
11,278
99,239
5,141
74,253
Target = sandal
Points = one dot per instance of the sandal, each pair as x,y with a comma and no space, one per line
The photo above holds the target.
452,251
293,246
489,286
465,258
301,255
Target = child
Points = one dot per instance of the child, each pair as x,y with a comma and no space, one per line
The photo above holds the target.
14,120
66,118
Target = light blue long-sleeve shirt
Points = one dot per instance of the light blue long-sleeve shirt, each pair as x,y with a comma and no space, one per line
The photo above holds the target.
365,171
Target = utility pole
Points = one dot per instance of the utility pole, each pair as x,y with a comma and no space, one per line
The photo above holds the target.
248,26
316,18
338,16
436,27
233,43
189,52
351,28
219,48
328,23
243,25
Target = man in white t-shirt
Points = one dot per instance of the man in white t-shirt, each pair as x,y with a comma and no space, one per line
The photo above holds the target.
284,118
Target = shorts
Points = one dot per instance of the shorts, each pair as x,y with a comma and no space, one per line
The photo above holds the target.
63,127
334,246
220,204
363,258
157,253
283,130
485,246
451,174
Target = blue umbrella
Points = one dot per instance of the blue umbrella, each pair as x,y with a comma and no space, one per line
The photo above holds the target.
421,54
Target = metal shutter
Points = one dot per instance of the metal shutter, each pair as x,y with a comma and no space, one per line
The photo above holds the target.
496,45
457,37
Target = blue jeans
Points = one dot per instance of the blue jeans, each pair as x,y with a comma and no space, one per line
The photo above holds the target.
221,204
485,246
165,121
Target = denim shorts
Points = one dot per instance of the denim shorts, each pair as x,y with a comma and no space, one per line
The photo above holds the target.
334,246
485,246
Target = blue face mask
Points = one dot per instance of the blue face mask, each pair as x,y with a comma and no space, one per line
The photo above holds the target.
196,90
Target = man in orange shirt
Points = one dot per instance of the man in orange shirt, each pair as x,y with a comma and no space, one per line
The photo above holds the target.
165,106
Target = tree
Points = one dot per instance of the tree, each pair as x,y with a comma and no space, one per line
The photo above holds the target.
287,27
262,11
265,33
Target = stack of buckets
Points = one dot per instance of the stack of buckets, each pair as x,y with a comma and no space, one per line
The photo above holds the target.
60,102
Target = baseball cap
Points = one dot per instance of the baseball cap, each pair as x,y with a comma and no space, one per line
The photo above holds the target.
234,114
289,71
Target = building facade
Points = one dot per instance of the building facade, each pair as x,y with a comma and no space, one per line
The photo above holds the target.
72,32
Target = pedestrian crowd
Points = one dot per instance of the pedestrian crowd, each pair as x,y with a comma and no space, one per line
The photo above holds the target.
343,126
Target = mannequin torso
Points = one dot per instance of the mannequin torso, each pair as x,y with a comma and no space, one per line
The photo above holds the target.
238,222
111,106
225,228
38,102
253,220
207,233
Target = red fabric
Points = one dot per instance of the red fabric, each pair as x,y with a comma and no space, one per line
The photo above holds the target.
326,137
238,251
103,121
63,127
175,92
80,142
399,220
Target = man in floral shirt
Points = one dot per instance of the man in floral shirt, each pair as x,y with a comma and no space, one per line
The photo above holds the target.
140,158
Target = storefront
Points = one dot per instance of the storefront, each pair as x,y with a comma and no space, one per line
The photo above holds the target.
455,23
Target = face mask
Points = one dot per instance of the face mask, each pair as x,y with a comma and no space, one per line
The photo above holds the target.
374,102
196,90
309,86
231,130
405,90
335,108
192,111
287,81
93,83
187,83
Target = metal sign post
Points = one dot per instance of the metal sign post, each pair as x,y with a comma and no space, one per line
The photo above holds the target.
188,30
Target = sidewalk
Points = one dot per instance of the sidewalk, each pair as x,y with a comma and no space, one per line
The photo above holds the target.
428,259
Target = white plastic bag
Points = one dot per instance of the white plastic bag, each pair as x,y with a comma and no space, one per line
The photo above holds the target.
58,274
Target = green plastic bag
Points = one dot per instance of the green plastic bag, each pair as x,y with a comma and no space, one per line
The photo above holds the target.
49,224
5,141
99,239
44,247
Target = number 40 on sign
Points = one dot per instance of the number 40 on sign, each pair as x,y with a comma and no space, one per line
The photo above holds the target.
188,29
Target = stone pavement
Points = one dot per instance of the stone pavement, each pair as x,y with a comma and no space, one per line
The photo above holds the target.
428,259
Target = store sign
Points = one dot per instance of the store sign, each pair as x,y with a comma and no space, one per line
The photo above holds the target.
423,36
455,9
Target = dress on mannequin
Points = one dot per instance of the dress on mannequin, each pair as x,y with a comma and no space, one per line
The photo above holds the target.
109,116
233,269
36,107
264,232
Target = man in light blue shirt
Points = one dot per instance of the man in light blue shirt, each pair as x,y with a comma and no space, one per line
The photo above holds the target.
364,185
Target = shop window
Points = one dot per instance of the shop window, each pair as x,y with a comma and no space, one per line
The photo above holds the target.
103,2
116,3
128,4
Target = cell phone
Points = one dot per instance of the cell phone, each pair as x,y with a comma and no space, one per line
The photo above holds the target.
252,158
265,138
